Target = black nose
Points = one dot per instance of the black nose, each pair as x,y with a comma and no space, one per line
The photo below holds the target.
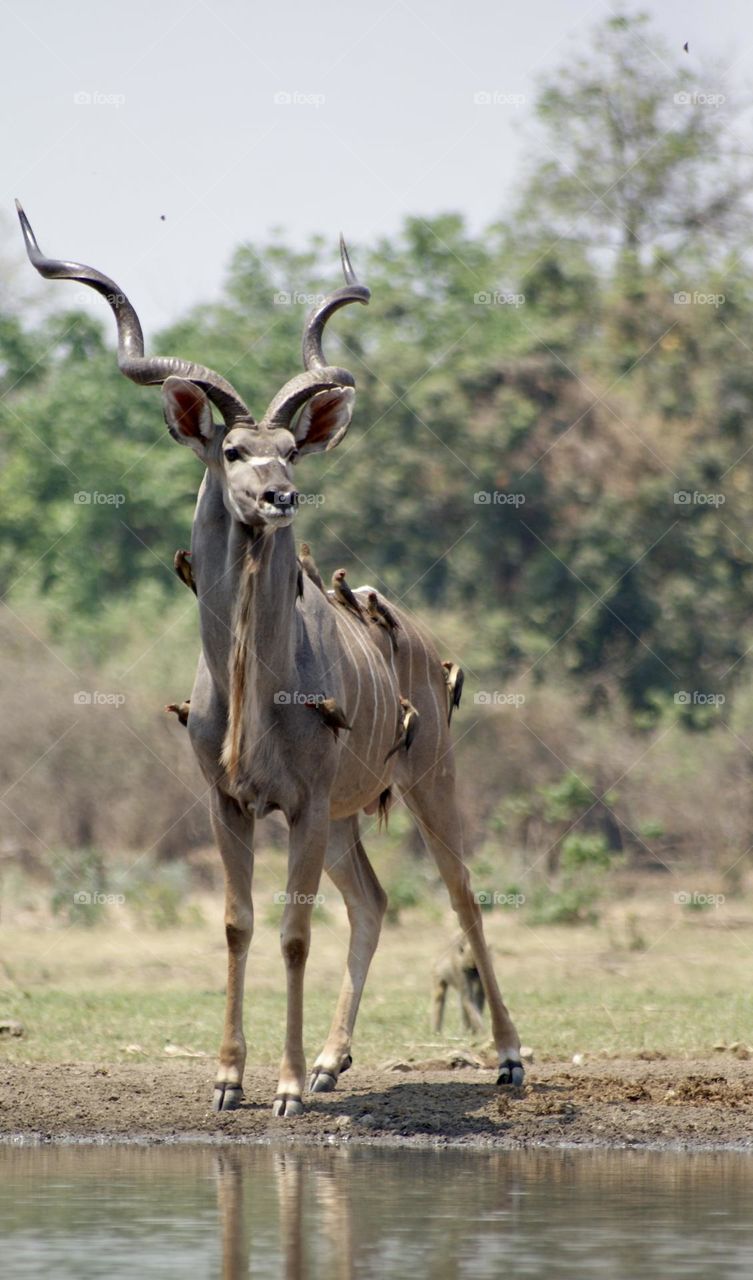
286,499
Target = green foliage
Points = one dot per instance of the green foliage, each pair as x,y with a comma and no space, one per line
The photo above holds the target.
651,830
79,894
405,888
566,799
509,898
593,403
579,850
573,895
86,889
571,905
626,168
156,895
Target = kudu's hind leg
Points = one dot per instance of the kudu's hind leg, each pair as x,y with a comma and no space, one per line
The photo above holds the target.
348,866
234,833
433,804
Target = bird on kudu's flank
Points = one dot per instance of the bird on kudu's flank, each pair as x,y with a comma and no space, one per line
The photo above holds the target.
383,616
332,714
182,566
308,564
180,709
455,678
344,595
408,728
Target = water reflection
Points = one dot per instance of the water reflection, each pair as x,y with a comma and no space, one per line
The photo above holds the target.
354,1212
313,1199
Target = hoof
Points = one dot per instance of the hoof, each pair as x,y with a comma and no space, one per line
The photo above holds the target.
511,1072
227,1096
287,1104
323,1081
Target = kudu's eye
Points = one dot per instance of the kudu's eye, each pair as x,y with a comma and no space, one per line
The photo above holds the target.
232,454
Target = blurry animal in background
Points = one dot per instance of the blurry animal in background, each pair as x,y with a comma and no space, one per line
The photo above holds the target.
456,968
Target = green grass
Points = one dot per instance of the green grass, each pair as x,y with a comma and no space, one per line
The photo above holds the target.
87,994
557,1021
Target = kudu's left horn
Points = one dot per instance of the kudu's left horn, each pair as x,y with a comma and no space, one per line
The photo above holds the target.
319,376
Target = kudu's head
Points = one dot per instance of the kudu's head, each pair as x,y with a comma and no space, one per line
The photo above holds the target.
253,461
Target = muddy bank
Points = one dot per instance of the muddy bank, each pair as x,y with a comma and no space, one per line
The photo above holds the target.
694,1103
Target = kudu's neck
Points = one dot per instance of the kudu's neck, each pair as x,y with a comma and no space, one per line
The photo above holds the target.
262,655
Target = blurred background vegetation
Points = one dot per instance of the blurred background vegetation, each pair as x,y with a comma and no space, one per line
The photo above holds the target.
583,365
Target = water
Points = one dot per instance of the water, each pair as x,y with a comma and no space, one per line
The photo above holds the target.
338,1212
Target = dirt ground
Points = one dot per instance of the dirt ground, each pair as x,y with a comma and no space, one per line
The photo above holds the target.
690,1103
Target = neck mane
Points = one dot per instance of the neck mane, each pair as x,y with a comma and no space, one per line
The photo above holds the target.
262,654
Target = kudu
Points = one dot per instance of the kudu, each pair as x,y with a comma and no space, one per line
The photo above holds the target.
272,641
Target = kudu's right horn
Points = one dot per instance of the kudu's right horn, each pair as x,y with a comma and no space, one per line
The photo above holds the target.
147,370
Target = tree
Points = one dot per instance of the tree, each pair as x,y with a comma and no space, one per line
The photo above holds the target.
637,151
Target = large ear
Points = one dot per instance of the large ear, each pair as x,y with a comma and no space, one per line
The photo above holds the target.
324,419
188,414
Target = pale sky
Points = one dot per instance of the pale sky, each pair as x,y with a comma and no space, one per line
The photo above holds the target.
114,114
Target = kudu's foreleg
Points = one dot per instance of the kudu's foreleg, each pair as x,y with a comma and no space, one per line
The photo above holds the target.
433,804
348,866
308,843
234,832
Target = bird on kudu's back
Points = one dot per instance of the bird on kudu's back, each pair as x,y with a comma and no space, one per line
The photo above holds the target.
344,595
308,564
